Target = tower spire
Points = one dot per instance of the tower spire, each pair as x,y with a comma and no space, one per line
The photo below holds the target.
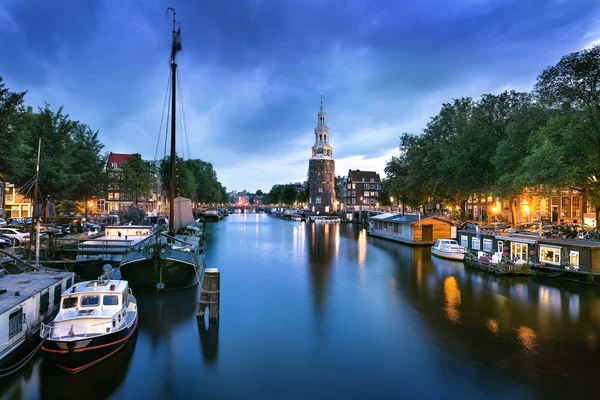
322,108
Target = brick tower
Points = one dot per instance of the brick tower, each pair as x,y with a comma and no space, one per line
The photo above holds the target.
321,170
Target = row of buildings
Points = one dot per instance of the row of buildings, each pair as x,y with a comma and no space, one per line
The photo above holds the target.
14,204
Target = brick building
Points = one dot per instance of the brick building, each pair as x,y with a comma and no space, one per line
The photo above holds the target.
321,169
362,188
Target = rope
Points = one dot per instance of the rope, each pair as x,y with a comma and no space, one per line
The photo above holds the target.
11,370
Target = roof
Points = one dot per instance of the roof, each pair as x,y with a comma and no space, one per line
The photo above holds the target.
406,218
99,286
118,158
358,175
28,284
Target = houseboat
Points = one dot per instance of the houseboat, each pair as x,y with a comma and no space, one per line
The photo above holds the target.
411,228
96,319
448,248
26,301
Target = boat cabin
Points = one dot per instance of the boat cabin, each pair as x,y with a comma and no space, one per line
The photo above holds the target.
91,308
411,228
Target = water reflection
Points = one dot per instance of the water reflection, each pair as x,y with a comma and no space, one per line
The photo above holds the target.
99,381
541,324
452,294
209,340
320,254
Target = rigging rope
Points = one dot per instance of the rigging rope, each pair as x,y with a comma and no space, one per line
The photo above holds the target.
162,116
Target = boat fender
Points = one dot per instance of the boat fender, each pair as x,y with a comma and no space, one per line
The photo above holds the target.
160,286
151,250
162,250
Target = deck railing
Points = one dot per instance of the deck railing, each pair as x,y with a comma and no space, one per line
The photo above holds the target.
75,331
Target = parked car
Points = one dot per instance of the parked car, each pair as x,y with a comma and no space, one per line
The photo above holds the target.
70,224
2,222
5,241
15,221
18,236
53,230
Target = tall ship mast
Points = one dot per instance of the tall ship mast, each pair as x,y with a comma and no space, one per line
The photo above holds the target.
172,259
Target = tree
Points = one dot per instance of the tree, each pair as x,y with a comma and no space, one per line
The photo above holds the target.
87,163
137,179
11,114
572,89
134,214
56,178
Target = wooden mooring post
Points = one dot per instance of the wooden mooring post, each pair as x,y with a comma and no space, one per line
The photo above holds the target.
211,294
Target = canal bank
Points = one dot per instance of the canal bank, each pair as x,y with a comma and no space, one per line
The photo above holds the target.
311,311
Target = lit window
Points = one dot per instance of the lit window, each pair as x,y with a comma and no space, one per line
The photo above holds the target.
574,258
518,250
464,241
487,245
500,246
366,194
318,200
475,244
320,190
550,255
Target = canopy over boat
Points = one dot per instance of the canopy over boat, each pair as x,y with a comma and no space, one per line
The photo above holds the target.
183,213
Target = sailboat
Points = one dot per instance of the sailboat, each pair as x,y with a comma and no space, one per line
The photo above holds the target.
169,259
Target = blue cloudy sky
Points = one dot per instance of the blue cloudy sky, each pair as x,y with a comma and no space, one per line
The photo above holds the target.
252,71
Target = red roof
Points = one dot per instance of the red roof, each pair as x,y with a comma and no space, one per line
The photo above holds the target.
120,159
358,175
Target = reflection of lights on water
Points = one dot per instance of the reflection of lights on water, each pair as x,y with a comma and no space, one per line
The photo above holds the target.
336,238
362,248
550,300
574,307
392,282
493,326
527,337
452,294
419,274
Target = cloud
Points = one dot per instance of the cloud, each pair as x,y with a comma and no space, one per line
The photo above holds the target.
251,74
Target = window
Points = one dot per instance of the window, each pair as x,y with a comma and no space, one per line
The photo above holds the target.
320,190
574,258
354,186
487,245
372,201
566,207
57,293
110,196
366,186
90,301
576,207
366,194
318,200
372,180
500,246
70,302
44,302
395,228
550,255
114,165
362,179
475,244
111,300
518,250
464,241
349,186
353,201
372,194
15,323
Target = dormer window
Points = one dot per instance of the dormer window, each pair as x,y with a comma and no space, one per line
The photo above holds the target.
114,165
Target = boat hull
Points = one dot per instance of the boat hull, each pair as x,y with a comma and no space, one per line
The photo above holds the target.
74,356
449,255
148,273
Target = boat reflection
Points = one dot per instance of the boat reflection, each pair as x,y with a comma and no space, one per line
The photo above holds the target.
98,382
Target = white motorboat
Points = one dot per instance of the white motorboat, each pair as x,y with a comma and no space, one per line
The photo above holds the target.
448,248
96,319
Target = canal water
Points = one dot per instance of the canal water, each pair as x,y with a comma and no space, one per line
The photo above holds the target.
310,311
